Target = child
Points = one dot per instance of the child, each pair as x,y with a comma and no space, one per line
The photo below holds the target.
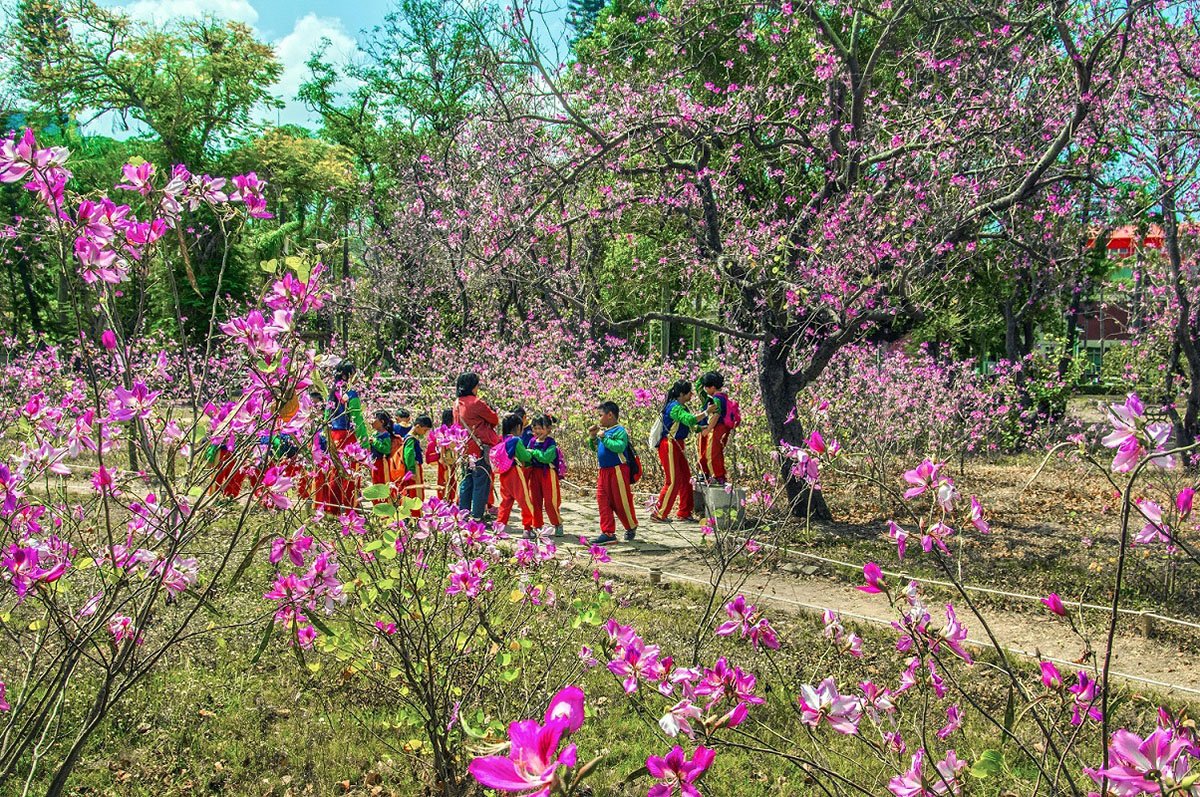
413,476
677,423
712,441
545,487
441,452
403,423
526,428
382,445
512,459
343,416
614,490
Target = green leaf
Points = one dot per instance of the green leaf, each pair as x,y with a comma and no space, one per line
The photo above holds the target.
990,763
318,623
383,510
377,492
1010,711
262,643
269,266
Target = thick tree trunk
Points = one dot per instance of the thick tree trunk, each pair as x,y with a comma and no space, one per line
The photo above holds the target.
779,389
1012,331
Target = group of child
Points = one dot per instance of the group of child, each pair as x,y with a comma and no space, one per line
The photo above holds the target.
520,451
620,468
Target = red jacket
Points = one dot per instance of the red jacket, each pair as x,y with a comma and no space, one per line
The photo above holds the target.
480,420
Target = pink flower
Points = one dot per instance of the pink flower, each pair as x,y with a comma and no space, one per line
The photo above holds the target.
976,517
1051,677
25,570
1130,439
874,576
1084,690
825,702
104,481
566,705
466,578
953,721
899,536
955,634
137,177
108,339
1155,765
741,616
122,628
678,772
922,478
532,761
273,488
914,783
249,190
678,719
3,702
1183,502
1055,604
1154,529
136,403
292,547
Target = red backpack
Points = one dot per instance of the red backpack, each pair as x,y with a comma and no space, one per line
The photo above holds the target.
733,413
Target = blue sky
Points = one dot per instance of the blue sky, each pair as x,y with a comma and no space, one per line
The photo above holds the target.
295,28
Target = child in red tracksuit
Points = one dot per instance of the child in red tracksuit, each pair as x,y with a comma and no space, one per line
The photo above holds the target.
677,423
712,440
512,460
547,493
382,445
443,454
614,487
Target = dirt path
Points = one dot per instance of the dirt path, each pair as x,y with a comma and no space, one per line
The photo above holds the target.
671,548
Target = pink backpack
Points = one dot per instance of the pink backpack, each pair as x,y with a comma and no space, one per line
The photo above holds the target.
733,413
498,456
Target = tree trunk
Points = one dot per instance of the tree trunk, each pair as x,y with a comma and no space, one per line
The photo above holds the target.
31,297
779,389
1012,331
1185,432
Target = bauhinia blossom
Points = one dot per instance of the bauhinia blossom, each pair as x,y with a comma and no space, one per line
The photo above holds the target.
531,766
677,772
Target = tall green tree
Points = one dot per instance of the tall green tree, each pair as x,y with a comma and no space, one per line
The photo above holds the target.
582,16
195,83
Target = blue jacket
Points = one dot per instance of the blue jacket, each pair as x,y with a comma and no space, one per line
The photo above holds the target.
610,459
682,430
339,415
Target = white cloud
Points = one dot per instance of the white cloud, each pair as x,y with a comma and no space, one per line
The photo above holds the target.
294,50
160,11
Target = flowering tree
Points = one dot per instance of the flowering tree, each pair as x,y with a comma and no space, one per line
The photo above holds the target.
815,214
105,567
1157,111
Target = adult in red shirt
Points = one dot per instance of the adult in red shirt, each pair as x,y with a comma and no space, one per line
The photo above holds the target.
480,421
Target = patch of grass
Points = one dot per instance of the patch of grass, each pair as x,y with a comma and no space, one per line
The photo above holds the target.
212,722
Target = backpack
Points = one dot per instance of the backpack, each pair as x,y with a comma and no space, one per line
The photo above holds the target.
560,463
656,434
635,464
733,413
498,456
396,470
